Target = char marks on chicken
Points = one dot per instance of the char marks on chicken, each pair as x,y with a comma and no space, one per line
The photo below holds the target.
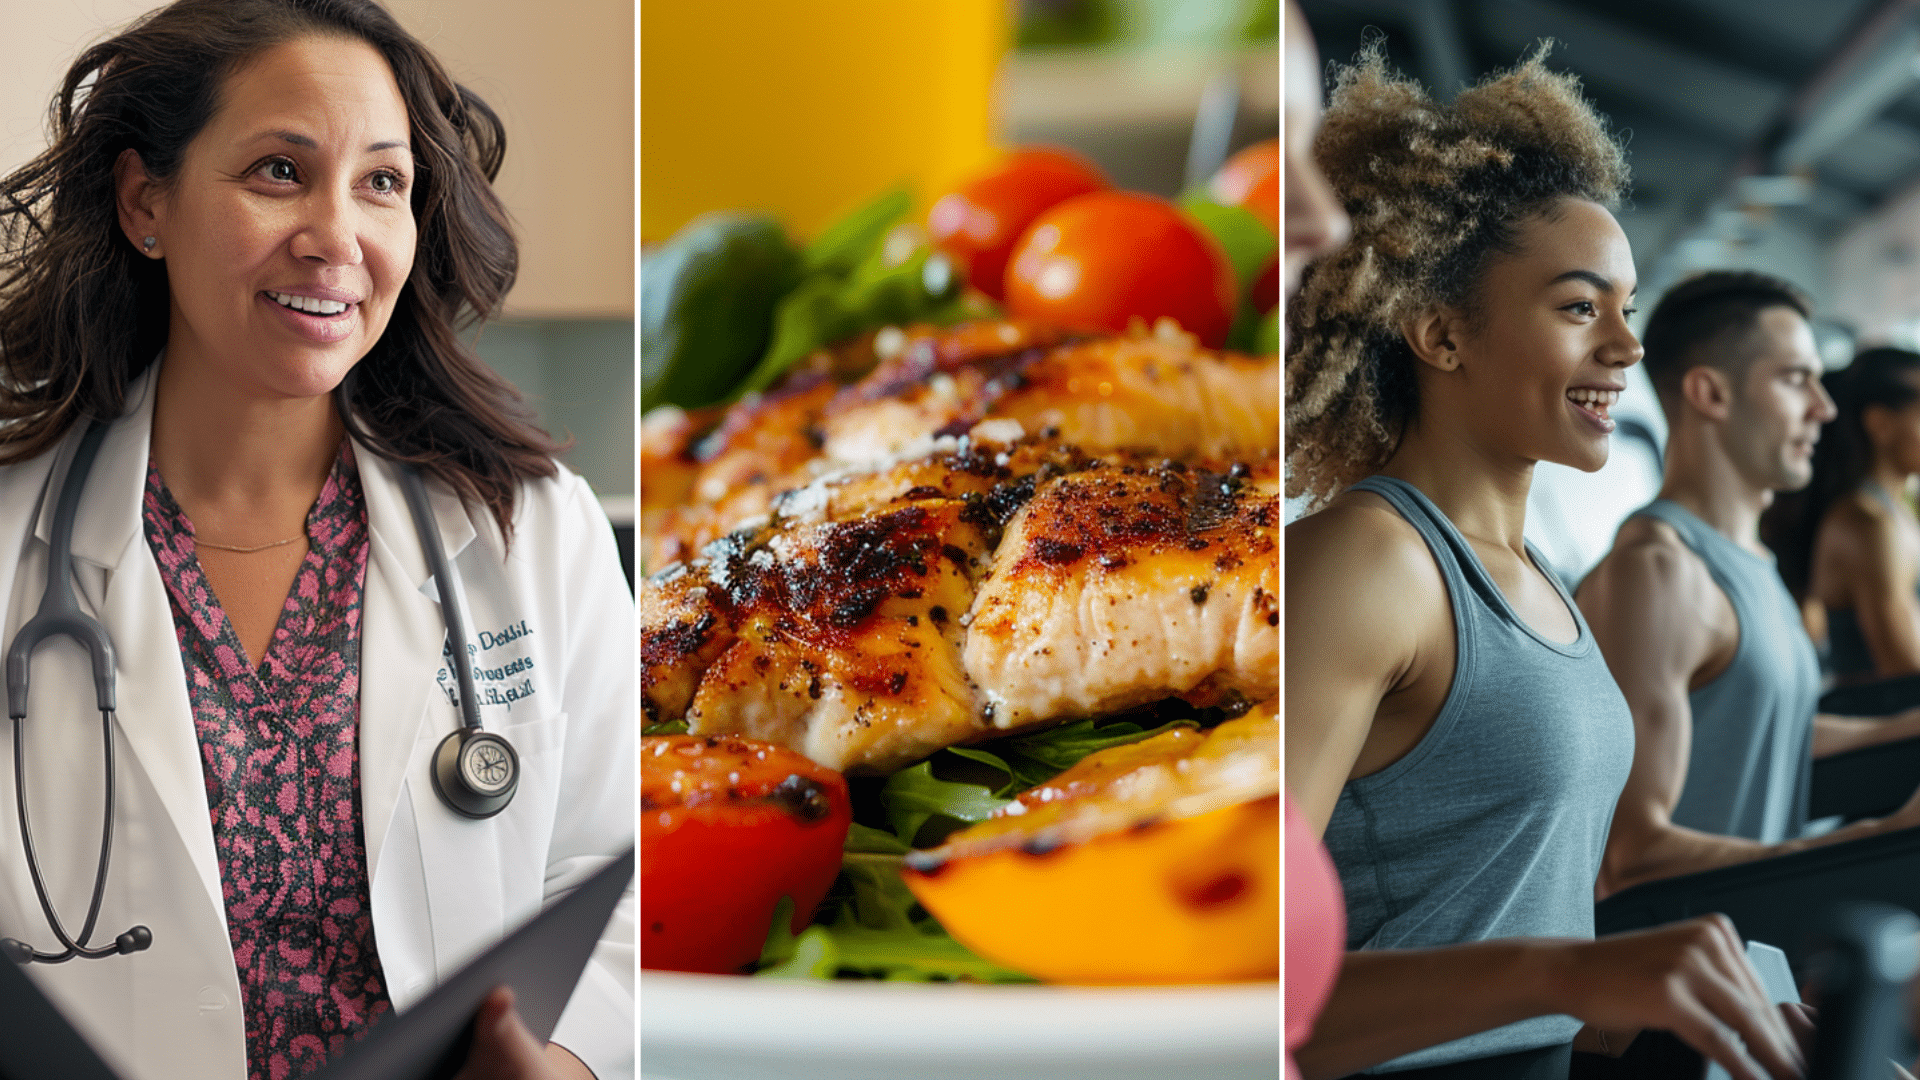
871,618
852,408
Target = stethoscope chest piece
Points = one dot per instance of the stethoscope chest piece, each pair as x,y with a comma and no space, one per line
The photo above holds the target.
475,772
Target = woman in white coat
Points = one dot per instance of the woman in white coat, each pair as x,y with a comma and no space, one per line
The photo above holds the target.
246,252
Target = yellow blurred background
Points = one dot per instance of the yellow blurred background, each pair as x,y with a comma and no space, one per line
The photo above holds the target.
807,110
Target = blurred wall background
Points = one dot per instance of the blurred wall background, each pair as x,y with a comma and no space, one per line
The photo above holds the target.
560,74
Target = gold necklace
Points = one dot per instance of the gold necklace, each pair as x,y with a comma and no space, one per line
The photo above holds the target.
247,550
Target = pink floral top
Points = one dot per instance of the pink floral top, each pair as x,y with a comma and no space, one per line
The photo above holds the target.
279,745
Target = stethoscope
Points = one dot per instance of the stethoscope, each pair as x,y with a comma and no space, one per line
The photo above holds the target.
474,772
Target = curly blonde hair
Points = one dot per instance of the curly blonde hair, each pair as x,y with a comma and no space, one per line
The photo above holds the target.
1435,191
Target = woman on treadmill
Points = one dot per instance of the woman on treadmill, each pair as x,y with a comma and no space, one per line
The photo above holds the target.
1451,728
1849,546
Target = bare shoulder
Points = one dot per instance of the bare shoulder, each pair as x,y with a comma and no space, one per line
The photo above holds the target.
1359,540
1655,609
1648,559
1358,568
1859,527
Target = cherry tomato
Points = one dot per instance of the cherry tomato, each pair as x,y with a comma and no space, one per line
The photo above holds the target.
1265,292
728,826
979,223
1104,259
1251,179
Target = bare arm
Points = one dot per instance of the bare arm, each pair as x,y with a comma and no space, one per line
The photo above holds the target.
1652,606
1861,548
1864,551
1690,978
1838,734
1352,572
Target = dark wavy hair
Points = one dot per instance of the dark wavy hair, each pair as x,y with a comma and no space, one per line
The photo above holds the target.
82,313
1843,457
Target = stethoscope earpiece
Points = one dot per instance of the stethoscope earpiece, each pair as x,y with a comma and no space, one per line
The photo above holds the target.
475,772
133,941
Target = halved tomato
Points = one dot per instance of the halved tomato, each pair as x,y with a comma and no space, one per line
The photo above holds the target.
728,826
1157,862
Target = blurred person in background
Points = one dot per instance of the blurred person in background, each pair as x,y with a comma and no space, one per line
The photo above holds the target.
1315,224
1690,611
1849,546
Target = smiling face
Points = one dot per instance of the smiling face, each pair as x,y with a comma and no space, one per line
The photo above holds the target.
287,233
1778,405
1536,367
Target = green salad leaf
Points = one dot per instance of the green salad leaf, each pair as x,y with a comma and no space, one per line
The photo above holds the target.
914,795
845,243
870,925
905,955
669,727
878,841
1248,243
876,929
1061,748
865,271
1249,246
1021,771
1266,337
881,900
707,303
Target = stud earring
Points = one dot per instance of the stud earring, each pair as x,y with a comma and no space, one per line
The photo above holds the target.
146,245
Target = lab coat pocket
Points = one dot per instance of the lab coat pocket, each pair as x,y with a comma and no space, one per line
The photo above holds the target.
484,877
526,825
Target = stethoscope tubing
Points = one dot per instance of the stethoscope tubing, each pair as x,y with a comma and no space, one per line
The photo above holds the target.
451,609
74,946
59,614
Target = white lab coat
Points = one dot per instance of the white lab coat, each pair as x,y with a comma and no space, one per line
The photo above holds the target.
552,622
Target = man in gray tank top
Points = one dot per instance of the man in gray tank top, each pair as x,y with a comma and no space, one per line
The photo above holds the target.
1690,612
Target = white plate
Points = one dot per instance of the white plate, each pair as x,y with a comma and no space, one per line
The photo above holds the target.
722,1027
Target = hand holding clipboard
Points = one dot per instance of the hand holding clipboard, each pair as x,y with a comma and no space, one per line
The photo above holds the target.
541,961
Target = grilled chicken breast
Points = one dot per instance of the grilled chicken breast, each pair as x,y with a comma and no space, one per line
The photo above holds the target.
1155,392
875,617
1115,587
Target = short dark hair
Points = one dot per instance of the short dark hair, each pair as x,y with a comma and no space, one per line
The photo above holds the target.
1706,320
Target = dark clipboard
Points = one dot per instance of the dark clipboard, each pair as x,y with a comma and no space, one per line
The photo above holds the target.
541,960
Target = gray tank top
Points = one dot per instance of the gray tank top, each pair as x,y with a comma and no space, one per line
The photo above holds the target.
1494,824
1751,765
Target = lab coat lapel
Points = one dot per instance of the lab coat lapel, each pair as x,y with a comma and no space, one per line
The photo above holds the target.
117,579
401,636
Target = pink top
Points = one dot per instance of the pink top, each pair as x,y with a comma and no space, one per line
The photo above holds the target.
1316,931
279,748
